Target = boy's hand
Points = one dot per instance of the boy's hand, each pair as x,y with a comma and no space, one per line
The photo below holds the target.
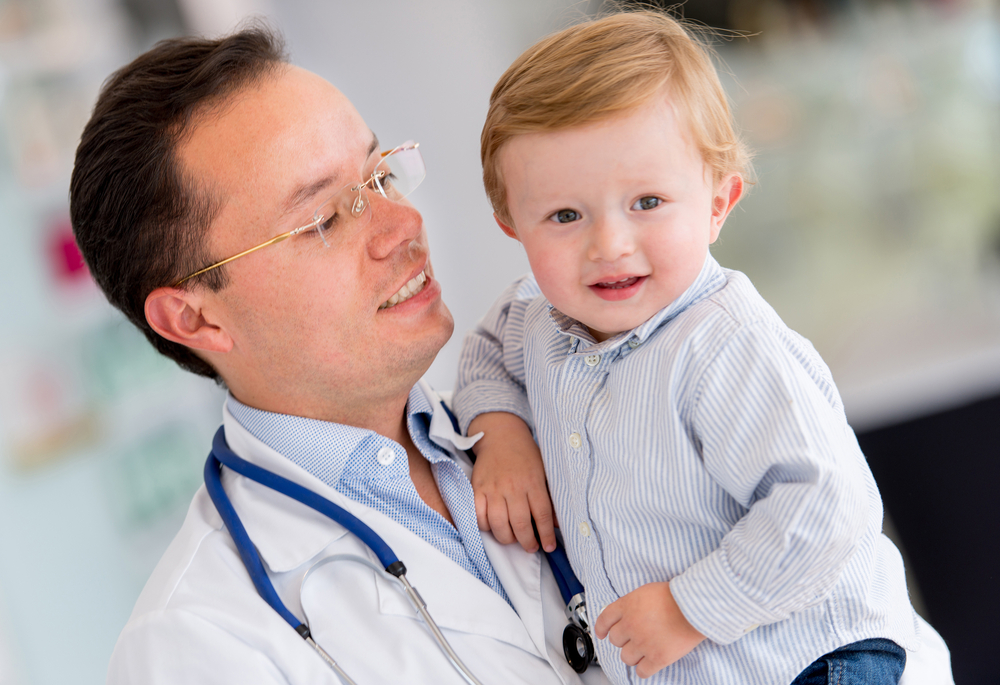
509,482
649,627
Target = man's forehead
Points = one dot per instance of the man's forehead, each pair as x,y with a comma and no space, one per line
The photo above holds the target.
280,140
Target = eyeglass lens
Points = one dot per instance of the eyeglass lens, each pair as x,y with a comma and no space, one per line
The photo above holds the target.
393,177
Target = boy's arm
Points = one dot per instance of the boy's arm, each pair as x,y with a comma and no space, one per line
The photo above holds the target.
490,396
491,363
774,436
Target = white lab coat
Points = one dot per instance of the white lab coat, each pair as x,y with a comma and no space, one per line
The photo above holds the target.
200,620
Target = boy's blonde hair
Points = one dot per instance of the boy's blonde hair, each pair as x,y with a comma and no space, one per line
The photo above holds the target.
605,68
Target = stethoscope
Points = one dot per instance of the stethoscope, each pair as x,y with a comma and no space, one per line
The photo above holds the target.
578,645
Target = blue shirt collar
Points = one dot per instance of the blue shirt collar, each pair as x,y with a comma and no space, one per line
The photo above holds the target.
297,438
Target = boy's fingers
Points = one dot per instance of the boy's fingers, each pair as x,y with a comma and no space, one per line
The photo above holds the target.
630,655
481,509
520,520
499,524
541,511
608,618
646,668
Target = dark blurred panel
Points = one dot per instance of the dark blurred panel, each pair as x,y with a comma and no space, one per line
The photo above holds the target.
715,13
154,19
938,476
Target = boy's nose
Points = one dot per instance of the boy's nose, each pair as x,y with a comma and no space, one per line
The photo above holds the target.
392,224
610,240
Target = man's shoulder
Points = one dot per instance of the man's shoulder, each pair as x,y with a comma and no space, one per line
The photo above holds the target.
199,616
198,540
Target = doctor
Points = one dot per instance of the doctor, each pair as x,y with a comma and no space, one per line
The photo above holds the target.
196,152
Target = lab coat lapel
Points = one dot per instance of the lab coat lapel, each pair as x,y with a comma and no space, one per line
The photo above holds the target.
456,599
285,532
288,534
519,573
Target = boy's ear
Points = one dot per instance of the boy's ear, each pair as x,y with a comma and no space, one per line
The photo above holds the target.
727,194
178,315
509,230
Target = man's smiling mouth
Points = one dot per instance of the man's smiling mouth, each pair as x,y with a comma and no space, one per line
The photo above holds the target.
413,286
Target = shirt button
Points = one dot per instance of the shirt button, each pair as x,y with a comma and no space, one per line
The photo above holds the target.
584,529
575,441
592,359
386,456
633,343
752,628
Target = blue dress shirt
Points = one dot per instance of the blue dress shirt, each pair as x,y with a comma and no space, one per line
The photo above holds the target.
363,466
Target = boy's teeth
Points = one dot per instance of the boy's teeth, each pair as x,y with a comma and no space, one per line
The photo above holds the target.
611,284
414,286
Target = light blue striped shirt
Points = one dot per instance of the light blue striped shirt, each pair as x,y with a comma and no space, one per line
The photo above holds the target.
354,462
707,447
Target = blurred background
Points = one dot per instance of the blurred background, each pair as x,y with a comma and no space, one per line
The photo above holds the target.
873,229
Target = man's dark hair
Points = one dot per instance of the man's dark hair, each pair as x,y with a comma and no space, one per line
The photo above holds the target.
139,222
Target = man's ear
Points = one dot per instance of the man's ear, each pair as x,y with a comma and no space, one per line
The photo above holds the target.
509,230
727,194
178,316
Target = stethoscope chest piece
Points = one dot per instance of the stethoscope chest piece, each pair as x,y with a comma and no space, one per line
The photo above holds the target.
578,647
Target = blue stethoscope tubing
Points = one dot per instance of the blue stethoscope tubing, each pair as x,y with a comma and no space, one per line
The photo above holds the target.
576,642
220,455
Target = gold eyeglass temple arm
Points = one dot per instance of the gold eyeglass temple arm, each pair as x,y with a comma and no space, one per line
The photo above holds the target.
272,241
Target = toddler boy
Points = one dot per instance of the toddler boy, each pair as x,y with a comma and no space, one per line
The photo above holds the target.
712,498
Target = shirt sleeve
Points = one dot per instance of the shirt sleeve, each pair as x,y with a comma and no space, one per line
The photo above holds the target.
491,370
777,441
179,648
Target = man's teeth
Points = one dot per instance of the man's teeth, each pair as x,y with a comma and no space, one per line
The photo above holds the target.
414,286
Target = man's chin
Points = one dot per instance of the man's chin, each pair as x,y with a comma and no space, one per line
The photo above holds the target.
425,354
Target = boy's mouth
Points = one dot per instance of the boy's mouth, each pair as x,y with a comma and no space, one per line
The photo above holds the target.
618,285
618,289
412,287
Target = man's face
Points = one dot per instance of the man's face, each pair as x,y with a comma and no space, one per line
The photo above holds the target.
307,321
615,217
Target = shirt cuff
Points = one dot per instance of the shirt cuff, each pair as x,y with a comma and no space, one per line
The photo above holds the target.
481,397
711,599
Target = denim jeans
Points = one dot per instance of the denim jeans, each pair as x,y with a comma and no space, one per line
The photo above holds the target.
868,662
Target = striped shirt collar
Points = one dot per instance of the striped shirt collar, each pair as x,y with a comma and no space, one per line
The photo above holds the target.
709,280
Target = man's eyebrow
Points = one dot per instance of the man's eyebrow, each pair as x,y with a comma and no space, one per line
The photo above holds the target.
304,193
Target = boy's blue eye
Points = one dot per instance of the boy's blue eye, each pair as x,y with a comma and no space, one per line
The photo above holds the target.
565,216
648,202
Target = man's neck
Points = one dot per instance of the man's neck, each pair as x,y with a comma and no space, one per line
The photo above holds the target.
384,414
390,422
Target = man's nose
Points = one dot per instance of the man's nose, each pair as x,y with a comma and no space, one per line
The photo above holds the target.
611,238
392,224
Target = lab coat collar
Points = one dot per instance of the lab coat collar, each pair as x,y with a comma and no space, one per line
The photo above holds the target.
268,516
287,534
